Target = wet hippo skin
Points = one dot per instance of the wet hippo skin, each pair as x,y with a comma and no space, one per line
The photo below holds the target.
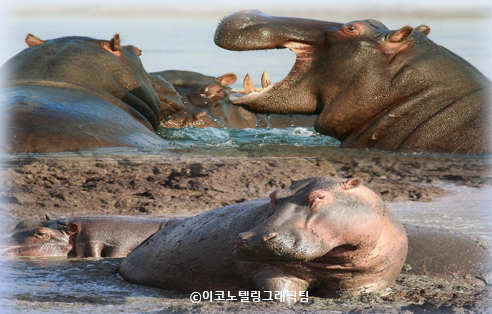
78,93
372,87
80,236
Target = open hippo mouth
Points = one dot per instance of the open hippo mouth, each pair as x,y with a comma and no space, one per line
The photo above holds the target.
304,53
254,30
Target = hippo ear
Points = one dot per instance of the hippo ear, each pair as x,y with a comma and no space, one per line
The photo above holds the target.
73,228
400,35
112,45
226,79
424,29
115,43
32,40
352,183
47,217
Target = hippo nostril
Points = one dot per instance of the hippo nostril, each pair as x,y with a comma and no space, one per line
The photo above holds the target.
269,237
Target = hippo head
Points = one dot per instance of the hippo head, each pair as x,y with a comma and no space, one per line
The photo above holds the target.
40,238
342,71
203,96
319,220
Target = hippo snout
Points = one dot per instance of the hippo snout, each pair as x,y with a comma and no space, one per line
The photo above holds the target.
271,245
253,245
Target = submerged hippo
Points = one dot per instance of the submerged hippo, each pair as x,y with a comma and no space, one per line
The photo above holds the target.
78,93
372,87
207,104
80,237
331,236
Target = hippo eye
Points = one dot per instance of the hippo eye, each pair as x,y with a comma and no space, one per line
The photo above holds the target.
351,27
41,235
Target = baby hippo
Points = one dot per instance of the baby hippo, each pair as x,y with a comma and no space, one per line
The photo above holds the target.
80,237
332,236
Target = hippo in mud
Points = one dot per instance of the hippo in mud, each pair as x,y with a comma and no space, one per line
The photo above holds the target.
78,93
332,236
207,104
80,237
370,86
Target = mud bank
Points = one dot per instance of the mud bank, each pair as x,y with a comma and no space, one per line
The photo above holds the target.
164,185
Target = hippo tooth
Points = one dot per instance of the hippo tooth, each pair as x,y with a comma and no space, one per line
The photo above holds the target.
248,85
265,79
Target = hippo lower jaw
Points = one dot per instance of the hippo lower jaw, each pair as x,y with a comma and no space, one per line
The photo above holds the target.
301,66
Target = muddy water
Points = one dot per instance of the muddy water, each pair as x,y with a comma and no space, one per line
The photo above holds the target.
467,210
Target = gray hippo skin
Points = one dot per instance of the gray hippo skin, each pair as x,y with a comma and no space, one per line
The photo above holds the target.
207,104
332,236
78,93
372,87
80,237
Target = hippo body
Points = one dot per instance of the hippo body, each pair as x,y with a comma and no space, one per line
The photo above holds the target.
332,236
78,93
207,104
372,87
81,237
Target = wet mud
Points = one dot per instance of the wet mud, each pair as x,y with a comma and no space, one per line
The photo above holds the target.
174,185
84,285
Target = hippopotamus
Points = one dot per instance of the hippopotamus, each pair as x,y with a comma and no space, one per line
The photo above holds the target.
332,236
371,87
78,93
207,104
80,237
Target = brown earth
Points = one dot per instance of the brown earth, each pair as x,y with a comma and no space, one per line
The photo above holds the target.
163,185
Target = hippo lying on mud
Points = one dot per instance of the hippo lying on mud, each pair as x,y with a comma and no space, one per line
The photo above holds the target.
80,237
207,104
329,235
372,87
78,93
334,237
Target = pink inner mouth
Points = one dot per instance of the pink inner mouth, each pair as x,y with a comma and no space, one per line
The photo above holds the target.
303,53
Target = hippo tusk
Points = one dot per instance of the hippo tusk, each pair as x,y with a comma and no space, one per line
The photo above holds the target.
265,79
248,85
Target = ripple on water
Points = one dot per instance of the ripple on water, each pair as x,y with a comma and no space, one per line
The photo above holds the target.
193,137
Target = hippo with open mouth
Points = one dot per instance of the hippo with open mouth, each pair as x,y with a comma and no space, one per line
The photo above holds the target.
372,87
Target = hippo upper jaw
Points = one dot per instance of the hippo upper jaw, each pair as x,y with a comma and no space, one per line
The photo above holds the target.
254,30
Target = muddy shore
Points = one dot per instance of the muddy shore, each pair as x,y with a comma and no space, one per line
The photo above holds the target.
174,185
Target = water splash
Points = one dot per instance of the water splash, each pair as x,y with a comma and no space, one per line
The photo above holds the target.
193,137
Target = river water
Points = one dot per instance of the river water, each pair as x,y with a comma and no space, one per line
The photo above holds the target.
185,43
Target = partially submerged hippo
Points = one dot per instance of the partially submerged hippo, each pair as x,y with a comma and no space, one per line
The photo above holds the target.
372,87
80,237
207,104
78,93
331,236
